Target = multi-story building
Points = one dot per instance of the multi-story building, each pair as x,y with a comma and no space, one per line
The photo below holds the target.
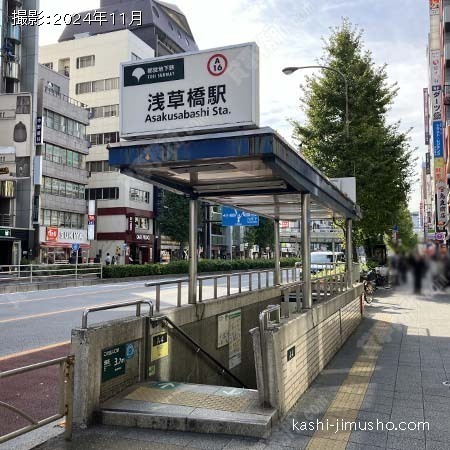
91,53
60,170
18,86
437,124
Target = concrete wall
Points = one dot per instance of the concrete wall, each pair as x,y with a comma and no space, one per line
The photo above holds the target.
316,335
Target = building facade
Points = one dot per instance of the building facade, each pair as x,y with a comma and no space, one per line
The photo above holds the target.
91,55
60,171
18,88
434,201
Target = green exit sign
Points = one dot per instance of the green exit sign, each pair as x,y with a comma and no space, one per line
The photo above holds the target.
5,232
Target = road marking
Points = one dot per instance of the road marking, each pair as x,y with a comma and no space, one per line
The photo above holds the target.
54,313
33,350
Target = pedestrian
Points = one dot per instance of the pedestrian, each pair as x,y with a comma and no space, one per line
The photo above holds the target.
72,259
97,259
113,260
418,269
402,266
108,259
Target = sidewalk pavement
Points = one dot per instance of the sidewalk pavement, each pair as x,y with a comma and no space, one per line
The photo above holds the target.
391,370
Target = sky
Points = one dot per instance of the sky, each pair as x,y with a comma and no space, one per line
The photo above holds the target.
290,32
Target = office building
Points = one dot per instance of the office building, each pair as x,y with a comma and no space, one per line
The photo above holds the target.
18,88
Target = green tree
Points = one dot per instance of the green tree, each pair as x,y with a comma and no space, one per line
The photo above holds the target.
262,235
375,152
174,218
406,238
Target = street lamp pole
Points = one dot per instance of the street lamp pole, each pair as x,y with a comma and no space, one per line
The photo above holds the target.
291,70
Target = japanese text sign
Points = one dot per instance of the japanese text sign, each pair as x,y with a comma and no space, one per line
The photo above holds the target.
208,90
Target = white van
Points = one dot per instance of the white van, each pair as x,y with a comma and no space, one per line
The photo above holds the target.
325,260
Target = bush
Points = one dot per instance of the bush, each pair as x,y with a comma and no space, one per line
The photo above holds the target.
182,267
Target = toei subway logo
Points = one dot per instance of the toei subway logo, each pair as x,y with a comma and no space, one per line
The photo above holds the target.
154,72
217,64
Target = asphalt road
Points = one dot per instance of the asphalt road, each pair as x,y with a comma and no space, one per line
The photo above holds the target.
33,320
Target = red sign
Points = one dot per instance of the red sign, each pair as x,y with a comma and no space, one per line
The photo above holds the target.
217,64
284,224
51,234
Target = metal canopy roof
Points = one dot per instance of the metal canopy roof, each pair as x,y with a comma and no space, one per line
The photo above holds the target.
255,170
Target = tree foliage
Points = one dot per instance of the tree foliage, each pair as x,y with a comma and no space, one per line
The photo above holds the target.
262,235
406,238
375,152
174,219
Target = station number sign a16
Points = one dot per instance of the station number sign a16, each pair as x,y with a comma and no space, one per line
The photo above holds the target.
217,64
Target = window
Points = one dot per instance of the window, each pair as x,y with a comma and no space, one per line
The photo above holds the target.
142,222
49,65
111,83
63,219
100,166
136,195
135,57
104,138
104,111
83,88
63,124
63,156
97,86
23,105
63,188
102,193
85,61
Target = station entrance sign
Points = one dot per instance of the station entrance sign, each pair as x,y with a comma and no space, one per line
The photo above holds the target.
207,90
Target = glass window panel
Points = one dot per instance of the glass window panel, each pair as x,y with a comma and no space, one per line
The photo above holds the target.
70,159
54,218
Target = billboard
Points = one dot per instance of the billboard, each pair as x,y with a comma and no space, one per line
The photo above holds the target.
426,116
438,142
234,217
207,90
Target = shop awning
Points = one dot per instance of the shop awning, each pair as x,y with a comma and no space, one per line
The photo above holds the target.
62,244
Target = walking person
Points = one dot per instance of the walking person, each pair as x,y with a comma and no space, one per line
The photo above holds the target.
108,259
418,270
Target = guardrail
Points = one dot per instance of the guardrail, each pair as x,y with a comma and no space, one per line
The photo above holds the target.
136,303
54,272
66,384
253,279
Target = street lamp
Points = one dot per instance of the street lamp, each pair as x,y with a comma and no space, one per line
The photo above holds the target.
291,70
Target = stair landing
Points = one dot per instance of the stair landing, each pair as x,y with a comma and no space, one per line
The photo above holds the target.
198,408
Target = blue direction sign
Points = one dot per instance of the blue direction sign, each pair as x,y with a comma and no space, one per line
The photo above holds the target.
75,247
234,217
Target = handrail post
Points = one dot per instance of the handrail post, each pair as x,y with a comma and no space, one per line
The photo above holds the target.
250,281
200,290
69,397
179,294
276,279
193,229
240,282
158,296
267,278
259,280
31,273
215,287
101,271
138,309
228,285
306,250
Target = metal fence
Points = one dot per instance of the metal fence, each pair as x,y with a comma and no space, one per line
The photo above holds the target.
66,384
34,273
215,286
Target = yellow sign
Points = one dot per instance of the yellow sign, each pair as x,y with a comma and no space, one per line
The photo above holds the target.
160,346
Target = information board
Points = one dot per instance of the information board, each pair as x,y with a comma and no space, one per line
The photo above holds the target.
234,217
113,362
160,346
234,338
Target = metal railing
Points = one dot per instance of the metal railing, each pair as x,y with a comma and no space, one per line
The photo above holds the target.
137,303
65,98
53,272
263,280
66,385
253,280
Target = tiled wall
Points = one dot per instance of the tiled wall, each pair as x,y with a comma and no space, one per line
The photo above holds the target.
315,345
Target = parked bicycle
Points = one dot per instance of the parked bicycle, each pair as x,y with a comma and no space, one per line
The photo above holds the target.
369,289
